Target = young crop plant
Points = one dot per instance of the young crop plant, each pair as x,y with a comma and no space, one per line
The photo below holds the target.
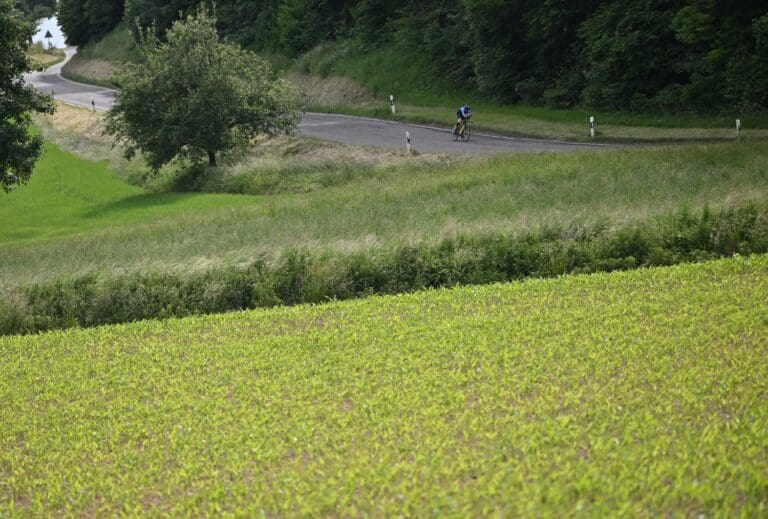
638,393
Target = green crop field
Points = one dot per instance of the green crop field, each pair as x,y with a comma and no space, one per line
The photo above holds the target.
634,393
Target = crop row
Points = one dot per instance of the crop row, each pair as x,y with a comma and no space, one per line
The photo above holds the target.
632,393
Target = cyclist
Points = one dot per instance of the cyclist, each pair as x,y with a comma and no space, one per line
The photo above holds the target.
463,114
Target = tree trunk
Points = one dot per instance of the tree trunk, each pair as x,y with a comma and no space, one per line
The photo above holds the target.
212,158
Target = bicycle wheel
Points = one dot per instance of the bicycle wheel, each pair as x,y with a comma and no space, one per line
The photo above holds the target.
455,132
465,134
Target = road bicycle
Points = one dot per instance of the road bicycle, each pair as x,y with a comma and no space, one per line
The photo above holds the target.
461,131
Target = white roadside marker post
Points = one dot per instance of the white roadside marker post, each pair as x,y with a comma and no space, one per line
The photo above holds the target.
592,126
392,103
738,127
408,142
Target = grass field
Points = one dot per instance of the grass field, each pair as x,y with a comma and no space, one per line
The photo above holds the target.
77,216
44,58
635,393
285,164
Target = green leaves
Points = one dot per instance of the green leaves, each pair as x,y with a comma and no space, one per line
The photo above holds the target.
195,97
638,392
18,148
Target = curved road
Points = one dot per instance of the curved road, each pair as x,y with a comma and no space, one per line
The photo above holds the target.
346,129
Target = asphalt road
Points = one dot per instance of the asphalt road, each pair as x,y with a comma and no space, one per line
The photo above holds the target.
346,129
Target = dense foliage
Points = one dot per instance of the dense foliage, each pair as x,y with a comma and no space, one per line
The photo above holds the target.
693,55
18,148
87,20
35,9
194,96
632,394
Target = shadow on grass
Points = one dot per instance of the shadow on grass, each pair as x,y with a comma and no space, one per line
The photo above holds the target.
146,202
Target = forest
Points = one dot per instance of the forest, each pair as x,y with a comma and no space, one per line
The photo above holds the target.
36,9
700,56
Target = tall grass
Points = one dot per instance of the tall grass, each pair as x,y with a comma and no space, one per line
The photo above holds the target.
302,277
76,216
117,46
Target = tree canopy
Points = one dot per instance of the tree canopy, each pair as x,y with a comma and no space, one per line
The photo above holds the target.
195,96
18,148
87,20
36,9
691,55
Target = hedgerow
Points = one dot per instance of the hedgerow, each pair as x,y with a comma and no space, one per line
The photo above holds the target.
300,277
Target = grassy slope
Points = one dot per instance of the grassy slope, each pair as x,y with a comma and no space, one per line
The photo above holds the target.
69,196
625,394
425,99
117,46
76,216
95,62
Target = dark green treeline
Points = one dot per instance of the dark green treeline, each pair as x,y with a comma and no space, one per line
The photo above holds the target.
35,9
640,55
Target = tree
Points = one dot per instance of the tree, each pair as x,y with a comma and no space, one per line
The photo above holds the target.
88,20
629,54
37,9
160,14
18,148
195,96
74,24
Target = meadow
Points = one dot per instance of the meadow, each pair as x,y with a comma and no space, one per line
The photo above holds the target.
77,215
629,393
42,57
86,247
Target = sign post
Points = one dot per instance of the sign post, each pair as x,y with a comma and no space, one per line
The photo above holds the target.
408,142
592,126
738,127
392,103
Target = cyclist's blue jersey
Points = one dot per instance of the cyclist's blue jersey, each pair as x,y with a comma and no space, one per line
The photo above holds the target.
464,111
